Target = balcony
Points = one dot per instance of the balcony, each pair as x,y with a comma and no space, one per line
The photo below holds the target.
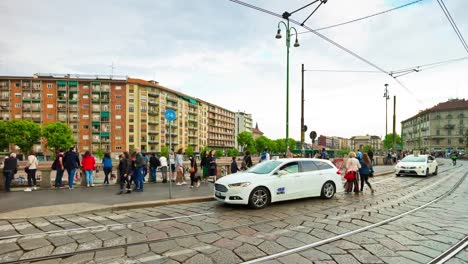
153,112
153,141
192,136
172,99
4,87
449,126
153,94
153,122
153,102
153,132
170,106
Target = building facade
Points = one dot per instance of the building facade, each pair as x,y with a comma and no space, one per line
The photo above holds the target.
358,142
243,123
443,128
116,113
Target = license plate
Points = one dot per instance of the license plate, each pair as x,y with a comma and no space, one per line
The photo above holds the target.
218,193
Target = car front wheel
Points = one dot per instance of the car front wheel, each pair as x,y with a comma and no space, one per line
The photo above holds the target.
328,190
435,172
259,198
427,172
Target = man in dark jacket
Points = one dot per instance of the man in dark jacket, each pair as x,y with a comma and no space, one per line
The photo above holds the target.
71,162
140,164
9,170
371,156
154,164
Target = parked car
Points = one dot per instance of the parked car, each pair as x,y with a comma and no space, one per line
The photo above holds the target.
417,165
279,180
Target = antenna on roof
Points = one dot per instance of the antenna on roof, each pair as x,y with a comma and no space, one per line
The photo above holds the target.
112,69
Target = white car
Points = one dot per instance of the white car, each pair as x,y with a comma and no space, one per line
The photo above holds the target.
418,165
279,180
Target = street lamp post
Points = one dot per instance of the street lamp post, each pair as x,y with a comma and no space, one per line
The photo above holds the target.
288,44
387,97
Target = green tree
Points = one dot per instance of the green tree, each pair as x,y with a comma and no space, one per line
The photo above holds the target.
58,135
261,143
343,152
3,139
233,152
99,153
245,140
366,148
23,133
388,141
165,151
219,153
273,147
189,151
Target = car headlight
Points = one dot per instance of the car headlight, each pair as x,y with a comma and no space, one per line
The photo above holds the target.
240,184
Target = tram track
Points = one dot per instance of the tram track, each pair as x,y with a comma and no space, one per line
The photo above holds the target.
264,221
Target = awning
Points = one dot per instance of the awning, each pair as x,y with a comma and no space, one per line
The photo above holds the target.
190,100
73,83
62,83
105,114
96,123
105,134
96,83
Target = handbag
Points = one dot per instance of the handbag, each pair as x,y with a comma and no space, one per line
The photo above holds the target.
350,175
26,169
192,170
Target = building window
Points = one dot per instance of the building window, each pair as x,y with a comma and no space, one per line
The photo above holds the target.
143,108
17,94
50,95
449,141
86,127
86,106
118,127
118,87
437,132
85,116
50,106
449,132
85,96
49,85
50,116
118,107
131,139
118,137
85,137
118,147
85,86
449,116
118,117
118,97
18,105
131,109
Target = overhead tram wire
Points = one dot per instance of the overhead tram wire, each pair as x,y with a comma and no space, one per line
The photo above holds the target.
452,23
328,40
365,17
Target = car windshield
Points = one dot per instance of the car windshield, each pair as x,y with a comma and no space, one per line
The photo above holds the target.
265,167
414,159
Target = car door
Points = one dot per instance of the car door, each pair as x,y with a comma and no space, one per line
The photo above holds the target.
431,164
287,182
310,176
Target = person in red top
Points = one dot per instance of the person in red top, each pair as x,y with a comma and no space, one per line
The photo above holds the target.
88,164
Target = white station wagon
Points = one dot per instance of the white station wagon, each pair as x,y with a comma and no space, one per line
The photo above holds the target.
279,180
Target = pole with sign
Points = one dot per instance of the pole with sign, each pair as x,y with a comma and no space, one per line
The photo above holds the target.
170,116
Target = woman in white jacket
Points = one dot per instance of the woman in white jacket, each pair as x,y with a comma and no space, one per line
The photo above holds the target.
30,169
352,165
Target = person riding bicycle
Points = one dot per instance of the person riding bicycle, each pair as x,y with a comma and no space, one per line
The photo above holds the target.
454,157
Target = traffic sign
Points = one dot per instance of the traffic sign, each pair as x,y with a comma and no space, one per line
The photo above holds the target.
170,115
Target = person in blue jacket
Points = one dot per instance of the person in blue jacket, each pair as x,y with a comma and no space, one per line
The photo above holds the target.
365,171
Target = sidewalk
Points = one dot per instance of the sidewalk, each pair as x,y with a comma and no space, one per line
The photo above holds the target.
48,202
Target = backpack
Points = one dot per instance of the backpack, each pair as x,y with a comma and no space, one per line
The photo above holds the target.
264,155
54,164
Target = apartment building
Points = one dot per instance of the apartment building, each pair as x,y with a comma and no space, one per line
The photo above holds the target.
443,127
358,142
116,113
243,123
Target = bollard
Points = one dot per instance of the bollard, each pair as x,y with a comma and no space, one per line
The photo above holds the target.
45,177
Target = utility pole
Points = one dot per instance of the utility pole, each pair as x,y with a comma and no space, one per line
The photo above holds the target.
394,122
302,109
387,97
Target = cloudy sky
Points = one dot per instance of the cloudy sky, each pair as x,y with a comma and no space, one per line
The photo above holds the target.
227,54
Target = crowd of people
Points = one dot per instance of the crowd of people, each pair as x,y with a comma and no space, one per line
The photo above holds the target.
359,168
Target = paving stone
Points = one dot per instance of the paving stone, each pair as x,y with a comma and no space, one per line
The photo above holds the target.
392,244
294,259
90,245
228,243
434,245
248,252
404,240
455,261
225,256
306,238
412,235
8,247
180,254
156,235
60,240
106,235
78,259
343,244
11,256
443,239
452,234
271,247
101,256
137,250
415,256
249,239
187,242
114,242
380,250
314,255
40,252
50,261
288,242
228,234
364,256
30,244
344,259
324,262
65,249
163,246
425,251
398,260
84,237
330,249
199,259
208,238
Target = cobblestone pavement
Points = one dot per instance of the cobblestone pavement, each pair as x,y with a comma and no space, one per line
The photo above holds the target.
213,233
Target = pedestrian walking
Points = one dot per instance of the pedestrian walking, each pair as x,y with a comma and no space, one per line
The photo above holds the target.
204,165
163,161
140,164
193,172
179,163
10,168
247,161
323,154
107,167
154,164
212,172
173,165
265,155
30,169
145,169
234,167
370,153
89,165
352,166
125,171
71,164
365,171
59,168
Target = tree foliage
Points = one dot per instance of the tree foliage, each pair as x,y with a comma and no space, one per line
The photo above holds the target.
58,135
261,143
388,141
189,151
165,151
233,152
3,139
245,140
219,153
366,148
23,133
99,153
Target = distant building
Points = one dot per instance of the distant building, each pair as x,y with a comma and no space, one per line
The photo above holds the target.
443,127
256,132
243,124
358,142
322,140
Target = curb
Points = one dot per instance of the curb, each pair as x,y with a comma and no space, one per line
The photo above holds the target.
137,205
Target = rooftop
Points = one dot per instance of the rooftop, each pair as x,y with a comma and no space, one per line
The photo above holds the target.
450,105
